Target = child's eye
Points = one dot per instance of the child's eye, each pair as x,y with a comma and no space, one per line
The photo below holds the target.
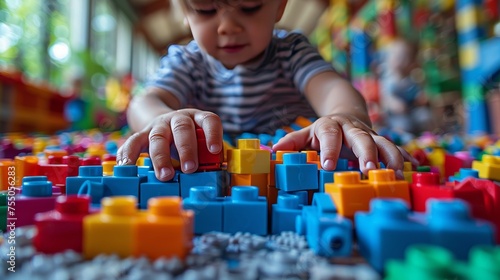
250,10
206,12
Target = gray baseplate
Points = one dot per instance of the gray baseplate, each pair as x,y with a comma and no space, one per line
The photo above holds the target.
214,256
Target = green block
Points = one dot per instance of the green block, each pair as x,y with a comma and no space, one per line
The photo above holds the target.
484,263
424,168
424,262
3,211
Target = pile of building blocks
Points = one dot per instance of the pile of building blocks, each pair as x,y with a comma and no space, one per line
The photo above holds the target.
252,189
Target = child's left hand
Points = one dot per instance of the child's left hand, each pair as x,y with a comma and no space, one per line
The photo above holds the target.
345,136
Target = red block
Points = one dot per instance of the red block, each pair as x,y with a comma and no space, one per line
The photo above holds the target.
62,228
206,160
56,173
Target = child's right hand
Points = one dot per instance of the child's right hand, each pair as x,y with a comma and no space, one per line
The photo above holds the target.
178,128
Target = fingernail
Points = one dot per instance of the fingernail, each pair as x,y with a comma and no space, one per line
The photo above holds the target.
189,165
328,164
370,165
215,148
165,172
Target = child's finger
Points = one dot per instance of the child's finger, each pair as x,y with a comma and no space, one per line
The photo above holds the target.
129,152
329,134
184,134
362,145
390,154
294,141
212,128
160,138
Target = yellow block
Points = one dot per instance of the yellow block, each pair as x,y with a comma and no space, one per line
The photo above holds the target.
112,230
469,55
248,158
488,167
467,18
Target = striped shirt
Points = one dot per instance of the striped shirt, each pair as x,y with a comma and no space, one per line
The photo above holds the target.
257,98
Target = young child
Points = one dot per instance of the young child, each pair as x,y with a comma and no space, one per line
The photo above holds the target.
241,75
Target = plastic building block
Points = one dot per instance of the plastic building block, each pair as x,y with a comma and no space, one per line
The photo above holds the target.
25,166
207,209
62,228
386,186
257,180
408,171
425,186
208,178
125,181
464,173
5,179
327,233
390,228
147,165
424,262
294,174
452,227
452,164
484,263
206,160
3,211
111,231
327,176
56,173
155,188
302,195
488,167
466,158
312,157
167,222
349,193
284,213
36,197
95,190
91,160
248,158
386,231
85,173
107,168
245,211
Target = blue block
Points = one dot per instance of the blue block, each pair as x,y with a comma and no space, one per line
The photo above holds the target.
207,209
36,188
302,195
295,174
85,173
125,181
327,176
327,233
214,179
463,174
96,190
387,231
154,188
452,227
245,211
285,212
144,169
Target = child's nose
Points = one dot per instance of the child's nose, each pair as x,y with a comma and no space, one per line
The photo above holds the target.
229,24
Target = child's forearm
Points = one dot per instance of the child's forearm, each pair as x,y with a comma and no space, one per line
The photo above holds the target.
331,94
143,109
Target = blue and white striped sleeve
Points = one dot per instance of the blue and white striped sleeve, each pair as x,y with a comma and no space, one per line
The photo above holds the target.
175,74
305,60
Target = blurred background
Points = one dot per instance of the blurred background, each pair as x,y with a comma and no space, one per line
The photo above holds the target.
74,64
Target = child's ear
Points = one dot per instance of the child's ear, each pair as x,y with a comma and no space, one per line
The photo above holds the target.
281,10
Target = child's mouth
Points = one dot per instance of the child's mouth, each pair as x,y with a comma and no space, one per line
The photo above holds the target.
232,48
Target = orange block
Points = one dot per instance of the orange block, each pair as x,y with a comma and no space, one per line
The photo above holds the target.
256,180
8,174
166,230
386,186
25,166
313,157
349,193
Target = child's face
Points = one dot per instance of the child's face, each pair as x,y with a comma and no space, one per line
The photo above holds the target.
235,31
